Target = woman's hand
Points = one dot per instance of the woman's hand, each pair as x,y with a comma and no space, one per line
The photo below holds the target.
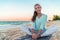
38,35
34,36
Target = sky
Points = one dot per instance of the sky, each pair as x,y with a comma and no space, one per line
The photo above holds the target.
23,9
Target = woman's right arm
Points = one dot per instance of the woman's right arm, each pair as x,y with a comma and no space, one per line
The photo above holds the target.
33,34
32,31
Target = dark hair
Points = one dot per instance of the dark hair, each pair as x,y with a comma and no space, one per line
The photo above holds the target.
37,4
35,14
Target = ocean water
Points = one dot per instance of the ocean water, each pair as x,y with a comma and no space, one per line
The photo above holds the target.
11,24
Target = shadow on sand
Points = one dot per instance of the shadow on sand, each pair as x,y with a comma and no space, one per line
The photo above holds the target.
27,37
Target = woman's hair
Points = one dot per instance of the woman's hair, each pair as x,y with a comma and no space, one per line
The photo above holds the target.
35,14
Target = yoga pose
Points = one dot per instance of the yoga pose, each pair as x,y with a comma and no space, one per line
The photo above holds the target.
38,24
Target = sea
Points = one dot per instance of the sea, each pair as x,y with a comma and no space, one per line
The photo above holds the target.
11,24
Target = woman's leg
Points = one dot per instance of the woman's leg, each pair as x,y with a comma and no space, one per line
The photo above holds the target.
25,29
50,30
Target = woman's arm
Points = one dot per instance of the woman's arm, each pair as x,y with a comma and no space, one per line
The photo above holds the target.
39,33
34,36
32,31
42,26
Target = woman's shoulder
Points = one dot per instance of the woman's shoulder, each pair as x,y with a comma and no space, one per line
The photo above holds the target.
44,15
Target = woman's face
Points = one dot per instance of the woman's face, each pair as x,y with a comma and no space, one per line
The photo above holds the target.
38,8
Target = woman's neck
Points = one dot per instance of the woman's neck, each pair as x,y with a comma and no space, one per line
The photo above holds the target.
39,15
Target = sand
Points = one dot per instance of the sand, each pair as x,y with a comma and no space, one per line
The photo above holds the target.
15,33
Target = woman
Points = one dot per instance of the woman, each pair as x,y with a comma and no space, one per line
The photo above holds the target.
39,21
38,24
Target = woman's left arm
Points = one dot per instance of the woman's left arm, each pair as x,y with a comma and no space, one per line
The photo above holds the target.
43,22
39,32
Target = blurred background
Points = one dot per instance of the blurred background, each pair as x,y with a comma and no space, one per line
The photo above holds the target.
13,13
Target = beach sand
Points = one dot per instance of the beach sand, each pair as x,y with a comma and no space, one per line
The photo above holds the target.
14,33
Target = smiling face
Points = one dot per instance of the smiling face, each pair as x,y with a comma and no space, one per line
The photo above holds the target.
37,8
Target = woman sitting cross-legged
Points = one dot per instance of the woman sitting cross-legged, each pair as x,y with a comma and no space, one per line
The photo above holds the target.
38,24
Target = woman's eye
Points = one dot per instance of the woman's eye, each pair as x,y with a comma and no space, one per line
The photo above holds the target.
38,7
